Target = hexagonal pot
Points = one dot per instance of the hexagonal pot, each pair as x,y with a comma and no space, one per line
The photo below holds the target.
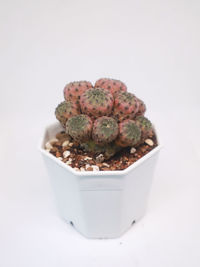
100,204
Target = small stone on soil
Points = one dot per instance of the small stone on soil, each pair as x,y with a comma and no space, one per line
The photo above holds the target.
65,143
95,168
87,158
100,158
66,154
105,164
149,142
87,166
69,161
48,146
132,150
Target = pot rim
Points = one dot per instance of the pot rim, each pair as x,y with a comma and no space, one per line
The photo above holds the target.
96,173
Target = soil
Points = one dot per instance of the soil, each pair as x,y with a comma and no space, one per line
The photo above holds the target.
71,154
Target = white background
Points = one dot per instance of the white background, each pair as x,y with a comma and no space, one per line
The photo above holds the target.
153,46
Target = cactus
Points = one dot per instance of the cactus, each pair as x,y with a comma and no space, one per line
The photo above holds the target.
105,130
108,151
79,127
114,86
96,102
65,110
129,133
104,118
145,126
141,108
125,106
74,90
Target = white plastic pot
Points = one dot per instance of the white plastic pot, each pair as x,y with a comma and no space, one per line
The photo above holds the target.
100,204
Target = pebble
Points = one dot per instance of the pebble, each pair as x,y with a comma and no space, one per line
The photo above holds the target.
149,142
133,150
105,164
60,158
87,158
95,168
66,154
91,168
87,166
77,169
69,161
100,158
82,169
71,144
48,146
65,143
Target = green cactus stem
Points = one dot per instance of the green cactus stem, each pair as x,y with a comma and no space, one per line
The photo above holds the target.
145,126
125,106
114,86
129,134
108,151
65,110
79,128
96,102
105,130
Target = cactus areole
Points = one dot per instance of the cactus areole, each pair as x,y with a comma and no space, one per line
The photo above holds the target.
103,118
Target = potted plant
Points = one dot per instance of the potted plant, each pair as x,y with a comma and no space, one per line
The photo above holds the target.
100,157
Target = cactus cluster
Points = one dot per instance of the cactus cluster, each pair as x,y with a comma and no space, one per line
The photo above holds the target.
104,116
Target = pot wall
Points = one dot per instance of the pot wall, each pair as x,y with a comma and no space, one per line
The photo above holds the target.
100,204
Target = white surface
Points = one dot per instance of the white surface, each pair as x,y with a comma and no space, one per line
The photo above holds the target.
100,204
151,45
